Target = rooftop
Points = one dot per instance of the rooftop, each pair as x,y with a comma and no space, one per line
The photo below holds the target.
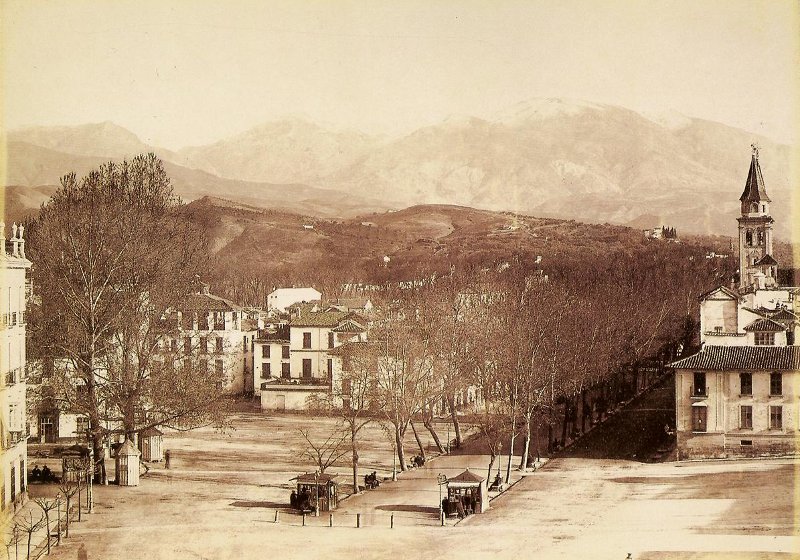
721,358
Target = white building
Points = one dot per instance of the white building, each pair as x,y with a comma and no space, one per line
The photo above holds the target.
13,299
293,361
280,299
218,333
740,395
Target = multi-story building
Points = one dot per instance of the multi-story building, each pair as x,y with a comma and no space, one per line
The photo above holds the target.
293,361
739,395
13,298
216,333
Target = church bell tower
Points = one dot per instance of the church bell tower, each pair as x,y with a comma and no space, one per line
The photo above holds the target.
757,268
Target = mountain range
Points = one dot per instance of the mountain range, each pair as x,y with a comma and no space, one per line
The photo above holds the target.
546,157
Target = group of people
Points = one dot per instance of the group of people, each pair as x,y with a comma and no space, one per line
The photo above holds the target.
460,505
42,475
371,481
301,501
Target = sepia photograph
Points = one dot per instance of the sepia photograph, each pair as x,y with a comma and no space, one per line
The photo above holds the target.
382,279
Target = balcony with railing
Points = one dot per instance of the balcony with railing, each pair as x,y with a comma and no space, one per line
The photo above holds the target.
698,391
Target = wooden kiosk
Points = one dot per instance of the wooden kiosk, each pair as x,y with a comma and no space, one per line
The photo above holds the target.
311,486
466,494
74,463
151,444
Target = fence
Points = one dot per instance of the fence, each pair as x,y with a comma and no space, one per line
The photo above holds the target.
403,516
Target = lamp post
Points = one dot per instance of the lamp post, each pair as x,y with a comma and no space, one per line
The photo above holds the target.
316,488
448,439
441,479
58,519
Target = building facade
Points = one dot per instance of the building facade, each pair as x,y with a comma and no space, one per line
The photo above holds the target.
295,360
280,300
740,394
13,299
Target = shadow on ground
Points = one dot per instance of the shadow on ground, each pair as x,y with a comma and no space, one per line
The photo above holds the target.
410,508
635,432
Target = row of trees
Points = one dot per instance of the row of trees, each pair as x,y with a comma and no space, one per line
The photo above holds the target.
549,354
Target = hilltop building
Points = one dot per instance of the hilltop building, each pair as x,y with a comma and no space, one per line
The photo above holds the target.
280,300
13,299
738,396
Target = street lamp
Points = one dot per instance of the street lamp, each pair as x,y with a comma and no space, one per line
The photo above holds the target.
441,479
316,488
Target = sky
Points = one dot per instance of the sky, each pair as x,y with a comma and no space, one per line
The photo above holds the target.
181,72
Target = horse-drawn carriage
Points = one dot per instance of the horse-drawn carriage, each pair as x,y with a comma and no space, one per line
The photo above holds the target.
315,489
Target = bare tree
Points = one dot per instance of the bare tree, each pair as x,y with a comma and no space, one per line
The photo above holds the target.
30,526
47,506
68,490
324,453
108,249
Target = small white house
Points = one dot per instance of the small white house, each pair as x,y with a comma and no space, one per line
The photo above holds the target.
282,298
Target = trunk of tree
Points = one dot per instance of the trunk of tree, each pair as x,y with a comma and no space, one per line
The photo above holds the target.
511,449
451,402
550,439
492,457
419,441
584,409
355,463
427,421
523,463
401,456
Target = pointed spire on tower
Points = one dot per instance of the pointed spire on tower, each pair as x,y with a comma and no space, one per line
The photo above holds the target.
754,190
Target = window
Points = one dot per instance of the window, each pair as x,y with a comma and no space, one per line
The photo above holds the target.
306,367
187,321
765,339
219,345
775,417
699,387
203,345
698,419
761,237
22,475
173,345
306,340
13,483
331,339
746,417
219,367
748,238
285,372
285,352
187,364
330,367
265,351
790,337
266,370
187,345
203,365
746,442
775,384
347,386
745,383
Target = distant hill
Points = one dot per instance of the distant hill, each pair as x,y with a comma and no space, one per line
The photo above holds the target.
547,157
418,240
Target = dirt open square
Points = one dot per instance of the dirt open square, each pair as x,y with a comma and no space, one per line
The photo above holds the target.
220,497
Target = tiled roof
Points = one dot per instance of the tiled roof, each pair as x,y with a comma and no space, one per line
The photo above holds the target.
349,326
466,476
721,358
206,302
319,319
767,325
766,260
724,289
784,315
